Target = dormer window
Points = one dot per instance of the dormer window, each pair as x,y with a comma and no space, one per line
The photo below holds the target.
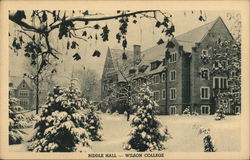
142,68
155,64
132,71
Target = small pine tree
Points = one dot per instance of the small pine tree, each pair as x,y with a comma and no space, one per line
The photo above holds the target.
147,133
209,145
93,124
17,121
60,127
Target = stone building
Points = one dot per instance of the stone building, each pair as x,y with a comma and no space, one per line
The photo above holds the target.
179,82
21,89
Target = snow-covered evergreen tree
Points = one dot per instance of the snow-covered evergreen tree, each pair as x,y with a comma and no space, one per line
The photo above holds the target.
220,112
61,125
17,121
93,124
147,133
209,144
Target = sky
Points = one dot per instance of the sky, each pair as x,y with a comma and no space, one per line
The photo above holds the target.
142,33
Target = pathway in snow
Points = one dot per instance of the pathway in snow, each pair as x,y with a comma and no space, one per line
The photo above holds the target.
115,131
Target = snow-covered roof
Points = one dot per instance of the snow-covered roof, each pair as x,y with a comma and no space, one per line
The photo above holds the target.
157,53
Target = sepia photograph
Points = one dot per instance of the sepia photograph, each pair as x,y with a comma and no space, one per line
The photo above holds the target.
125,84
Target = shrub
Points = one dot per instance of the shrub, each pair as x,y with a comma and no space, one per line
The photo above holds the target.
60,127
147,133
17,121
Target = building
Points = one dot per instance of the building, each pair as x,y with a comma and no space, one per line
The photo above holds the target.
179,81
21,89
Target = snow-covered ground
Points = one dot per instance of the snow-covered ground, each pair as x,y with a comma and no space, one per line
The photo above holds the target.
226,133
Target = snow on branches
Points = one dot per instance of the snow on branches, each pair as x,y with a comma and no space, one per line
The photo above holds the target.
147,133
17,122
61,125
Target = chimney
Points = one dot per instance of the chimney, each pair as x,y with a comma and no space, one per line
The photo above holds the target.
137,54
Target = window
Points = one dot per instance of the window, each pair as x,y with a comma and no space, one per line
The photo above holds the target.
237,109
154,65
10,84
163,77
172,110
139,82
216,64
172,93
205,109
156,95
220,82
142,68
163,93
172,75
204,52
132,71
110,81
172,58
233,74
134,82
23,85
205,73
143,81
164,62
23,93
156,78
204,92
24,102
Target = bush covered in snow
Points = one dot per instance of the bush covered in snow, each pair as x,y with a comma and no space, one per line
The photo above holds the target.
17,121
220,113
60,127
147,133
116,113
186,111
93,124
195,113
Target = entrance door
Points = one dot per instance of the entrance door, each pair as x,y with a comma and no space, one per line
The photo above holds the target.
172,110
205,109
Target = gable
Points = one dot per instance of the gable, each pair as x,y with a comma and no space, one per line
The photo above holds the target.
23,86
195,35
219,30
108,62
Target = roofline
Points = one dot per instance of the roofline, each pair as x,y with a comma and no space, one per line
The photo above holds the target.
199,27
214,22
226,28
